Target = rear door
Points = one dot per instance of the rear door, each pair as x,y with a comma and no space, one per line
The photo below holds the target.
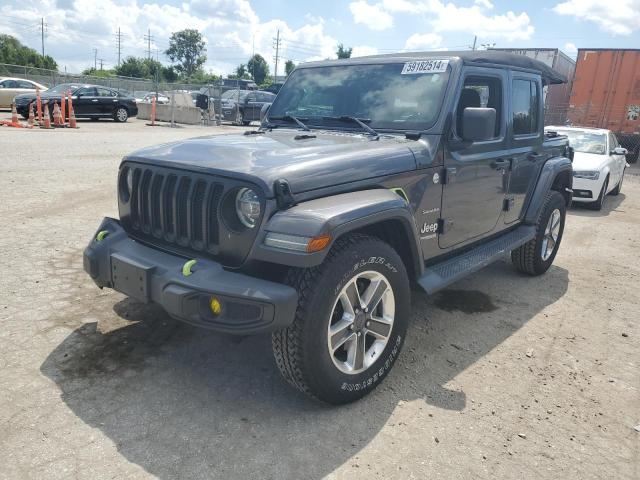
87,102
107,101
526,139
476,173
8,91
251,108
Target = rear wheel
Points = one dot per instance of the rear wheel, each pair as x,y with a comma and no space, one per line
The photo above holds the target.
536,256
239,117
351,320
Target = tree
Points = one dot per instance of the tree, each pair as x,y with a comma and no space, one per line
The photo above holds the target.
241,70
14,52
288,67
187,49
258,68
343,52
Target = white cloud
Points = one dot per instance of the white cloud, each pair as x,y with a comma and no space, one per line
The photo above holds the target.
373,16
619,17
474,19
231,29
425,41
570,48
363,51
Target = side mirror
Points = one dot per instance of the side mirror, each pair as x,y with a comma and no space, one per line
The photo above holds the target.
263,111
619,151
478,124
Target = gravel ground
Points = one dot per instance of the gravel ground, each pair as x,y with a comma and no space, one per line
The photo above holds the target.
502,376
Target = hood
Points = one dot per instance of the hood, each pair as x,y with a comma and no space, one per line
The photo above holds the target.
588,161
331,158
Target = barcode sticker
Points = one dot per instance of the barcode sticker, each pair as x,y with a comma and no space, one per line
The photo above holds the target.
425,66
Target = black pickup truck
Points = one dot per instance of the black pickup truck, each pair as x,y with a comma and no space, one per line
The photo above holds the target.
366,174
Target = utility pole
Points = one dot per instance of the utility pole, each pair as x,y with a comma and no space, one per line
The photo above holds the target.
276,45
101,62
149,39
42,34
475,39
253,57
95,59
119,40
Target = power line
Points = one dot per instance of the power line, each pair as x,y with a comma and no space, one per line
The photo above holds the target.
149,39
119,42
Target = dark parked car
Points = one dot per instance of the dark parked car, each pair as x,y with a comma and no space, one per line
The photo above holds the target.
243,106
89,101
274,88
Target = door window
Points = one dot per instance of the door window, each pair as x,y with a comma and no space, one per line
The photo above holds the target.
24,84
87,92
10,84
613,142
525,101
104,92
480,92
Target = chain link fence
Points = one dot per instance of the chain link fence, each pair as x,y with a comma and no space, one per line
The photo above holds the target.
211,107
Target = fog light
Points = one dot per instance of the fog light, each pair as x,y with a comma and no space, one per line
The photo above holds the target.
215,306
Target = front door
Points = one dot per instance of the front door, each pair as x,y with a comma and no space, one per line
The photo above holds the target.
476,174
107,100
525,134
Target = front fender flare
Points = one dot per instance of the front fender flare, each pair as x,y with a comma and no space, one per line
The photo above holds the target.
550,171
335,216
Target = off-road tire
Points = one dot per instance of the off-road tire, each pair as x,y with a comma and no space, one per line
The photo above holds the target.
301,350
598,204
528,258
616,191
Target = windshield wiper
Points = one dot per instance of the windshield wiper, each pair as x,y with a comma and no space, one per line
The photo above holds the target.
359,121
295,119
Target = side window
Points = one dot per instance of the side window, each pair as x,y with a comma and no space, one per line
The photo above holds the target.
613,142
251,97
485,92
525,101
23,84
10,84
87,92
103,92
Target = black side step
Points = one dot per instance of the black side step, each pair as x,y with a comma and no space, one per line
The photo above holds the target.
440,275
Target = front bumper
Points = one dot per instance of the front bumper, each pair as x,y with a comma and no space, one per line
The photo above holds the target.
585,190
249,305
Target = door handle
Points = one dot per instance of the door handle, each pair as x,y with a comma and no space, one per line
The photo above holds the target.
94,100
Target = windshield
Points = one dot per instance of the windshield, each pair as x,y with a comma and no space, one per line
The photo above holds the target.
234,95
586,142
381,95
63,87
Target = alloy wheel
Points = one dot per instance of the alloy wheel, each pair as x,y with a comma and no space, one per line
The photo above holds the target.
361,322
551,233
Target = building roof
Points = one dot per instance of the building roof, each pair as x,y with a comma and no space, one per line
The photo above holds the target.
468,57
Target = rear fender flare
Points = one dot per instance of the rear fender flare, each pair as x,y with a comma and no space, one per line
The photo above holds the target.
553,169
335,216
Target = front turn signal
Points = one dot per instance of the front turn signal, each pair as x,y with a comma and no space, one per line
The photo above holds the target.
317,244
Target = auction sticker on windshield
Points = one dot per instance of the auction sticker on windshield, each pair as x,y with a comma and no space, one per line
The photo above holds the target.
425,66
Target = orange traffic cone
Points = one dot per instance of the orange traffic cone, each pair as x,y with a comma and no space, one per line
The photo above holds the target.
63,113
31,120
47,119
153,112
56,115
39,105
14,114
72,115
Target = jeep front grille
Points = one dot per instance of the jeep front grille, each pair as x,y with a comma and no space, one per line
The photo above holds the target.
177,209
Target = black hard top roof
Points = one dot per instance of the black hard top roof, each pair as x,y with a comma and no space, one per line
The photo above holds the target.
473,57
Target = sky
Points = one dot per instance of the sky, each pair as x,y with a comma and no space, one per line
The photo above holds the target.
234,29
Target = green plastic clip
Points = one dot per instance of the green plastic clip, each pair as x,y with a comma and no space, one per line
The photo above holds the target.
186,268
101,235
400,192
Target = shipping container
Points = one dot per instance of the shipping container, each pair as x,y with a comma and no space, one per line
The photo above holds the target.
606,94
556,97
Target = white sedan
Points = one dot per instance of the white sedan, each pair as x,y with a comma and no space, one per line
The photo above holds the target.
598,164
10,87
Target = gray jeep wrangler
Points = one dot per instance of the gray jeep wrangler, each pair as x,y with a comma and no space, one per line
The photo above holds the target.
367,174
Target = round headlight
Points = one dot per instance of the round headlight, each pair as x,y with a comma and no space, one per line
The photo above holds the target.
248,207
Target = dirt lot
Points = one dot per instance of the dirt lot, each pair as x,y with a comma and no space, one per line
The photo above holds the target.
502,376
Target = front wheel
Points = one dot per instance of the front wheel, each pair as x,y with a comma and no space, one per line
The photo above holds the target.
350,324
239,117
599,203
616,191
121,115
536,256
